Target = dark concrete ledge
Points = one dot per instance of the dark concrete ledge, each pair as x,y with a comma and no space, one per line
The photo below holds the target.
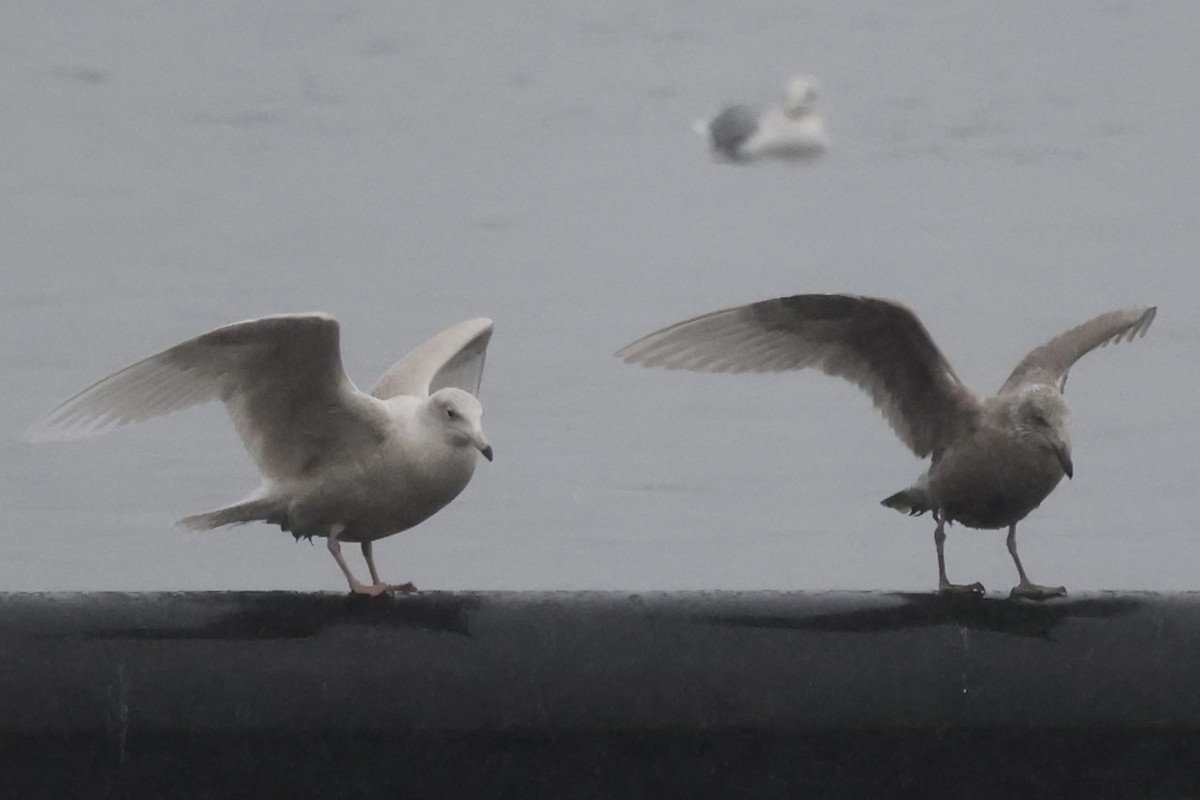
599,695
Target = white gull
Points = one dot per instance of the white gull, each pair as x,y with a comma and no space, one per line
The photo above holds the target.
335,462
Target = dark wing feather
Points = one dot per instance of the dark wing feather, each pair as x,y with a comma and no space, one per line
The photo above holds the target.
880,346
732,128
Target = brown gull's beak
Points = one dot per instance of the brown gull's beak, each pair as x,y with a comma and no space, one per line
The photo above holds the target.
1063,453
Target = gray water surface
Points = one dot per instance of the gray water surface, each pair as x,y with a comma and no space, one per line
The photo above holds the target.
1007,171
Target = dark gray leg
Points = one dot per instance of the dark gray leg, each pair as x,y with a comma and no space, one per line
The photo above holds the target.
1027,588
944,584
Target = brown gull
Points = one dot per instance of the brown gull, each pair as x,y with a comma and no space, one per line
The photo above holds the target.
994,459
335,462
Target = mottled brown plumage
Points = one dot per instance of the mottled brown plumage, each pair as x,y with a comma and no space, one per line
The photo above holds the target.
993,460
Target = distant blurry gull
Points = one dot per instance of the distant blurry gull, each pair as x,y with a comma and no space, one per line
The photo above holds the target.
995,459
335,462
794,130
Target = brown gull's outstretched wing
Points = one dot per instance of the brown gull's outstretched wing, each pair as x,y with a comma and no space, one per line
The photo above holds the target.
1050,363
879,345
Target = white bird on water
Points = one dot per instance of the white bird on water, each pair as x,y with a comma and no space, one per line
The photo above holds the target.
335,462
994,459
793,130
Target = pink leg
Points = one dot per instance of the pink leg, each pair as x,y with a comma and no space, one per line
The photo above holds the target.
369,557
335,548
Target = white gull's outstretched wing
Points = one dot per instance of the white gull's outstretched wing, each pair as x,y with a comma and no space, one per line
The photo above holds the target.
453,357
280,378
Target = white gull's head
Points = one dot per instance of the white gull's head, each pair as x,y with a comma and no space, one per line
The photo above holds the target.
801,96
460,416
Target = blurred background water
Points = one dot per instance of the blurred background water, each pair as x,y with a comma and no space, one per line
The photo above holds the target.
1006,170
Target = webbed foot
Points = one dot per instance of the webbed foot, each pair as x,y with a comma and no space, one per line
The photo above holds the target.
961,588
1031,591
374,590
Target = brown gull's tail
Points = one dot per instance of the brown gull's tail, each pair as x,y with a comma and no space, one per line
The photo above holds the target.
912,501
